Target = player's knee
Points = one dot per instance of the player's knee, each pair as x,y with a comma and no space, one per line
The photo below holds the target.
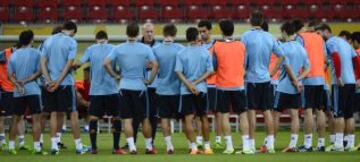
93,125
116,125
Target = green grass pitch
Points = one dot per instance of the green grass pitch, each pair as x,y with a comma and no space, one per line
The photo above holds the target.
105,145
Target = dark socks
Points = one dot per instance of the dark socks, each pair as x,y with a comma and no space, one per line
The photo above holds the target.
93,125
116,127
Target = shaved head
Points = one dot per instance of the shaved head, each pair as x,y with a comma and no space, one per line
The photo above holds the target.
148,30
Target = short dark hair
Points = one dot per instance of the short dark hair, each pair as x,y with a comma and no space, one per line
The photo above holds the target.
265,26
313,23
192,34
256,18
132,29
355,36
298,24
323,27
227,27
346,34
26,37
206,24
288,28
170,30
70,25
101,35
56,29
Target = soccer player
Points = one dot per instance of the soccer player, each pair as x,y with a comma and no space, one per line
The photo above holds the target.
193,66
345,59
229,56
104,97
205,28
293,70
45,115
355,37
259,47
83,97
168,83
132,57
148,33
23,70
57,59
274,81
313,84
6,101
346,35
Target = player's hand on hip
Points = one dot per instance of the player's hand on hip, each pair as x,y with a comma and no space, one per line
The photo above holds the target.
358,83
52,86
147,82
339,82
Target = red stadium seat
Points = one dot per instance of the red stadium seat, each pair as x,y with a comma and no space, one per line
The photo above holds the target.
48,16
289,2
264,2
122,14
148,13
241,13
217,2
351,13
196,13
23,14
312,2
172,14
188,3
297,13
98,3
4,14
116,3
23,3
47,3
239,2
69,3
273,14
323,13
217,12
335,2
140,3
173,3
97,14
73,13
4,3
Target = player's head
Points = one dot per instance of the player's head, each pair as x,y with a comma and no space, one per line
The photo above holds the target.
265,26
169,30
86,72
226,27
148,31
324,30
298,25
26,37
101,36
287,29
256,18
355,37
345,35
311,25
70,28
132,30
192,34
204,27
56,29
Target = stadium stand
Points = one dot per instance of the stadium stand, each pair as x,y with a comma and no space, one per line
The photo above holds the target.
108,11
